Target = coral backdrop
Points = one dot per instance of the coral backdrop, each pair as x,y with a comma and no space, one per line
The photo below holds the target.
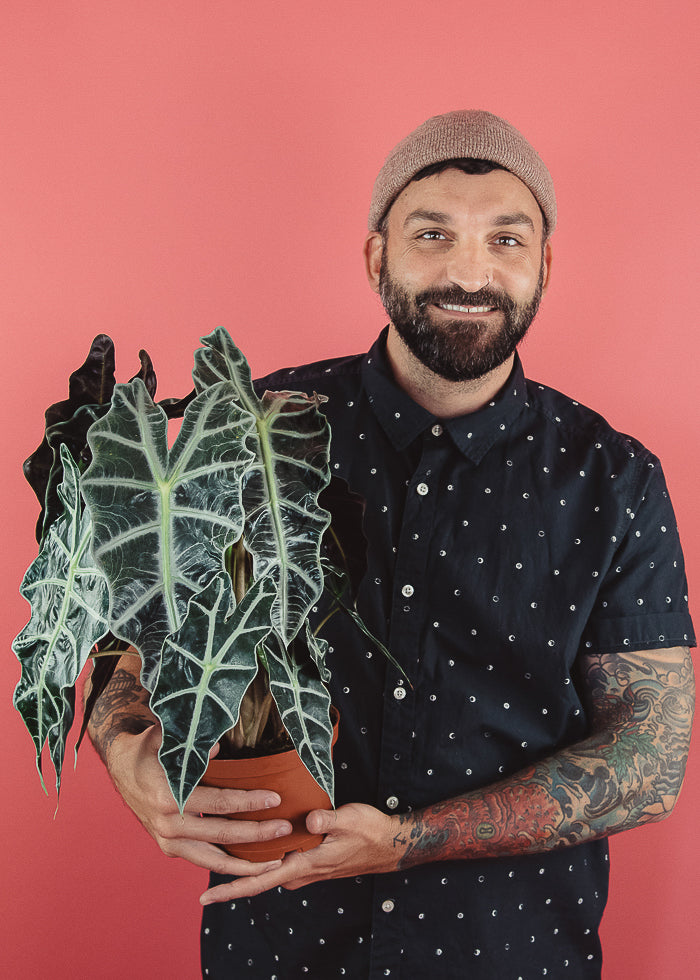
169,166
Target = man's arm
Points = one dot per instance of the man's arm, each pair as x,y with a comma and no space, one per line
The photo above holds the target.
628,772
127,737
121,708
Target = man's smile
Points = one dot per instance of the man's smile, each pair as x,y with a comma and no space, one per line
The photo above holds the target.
453,308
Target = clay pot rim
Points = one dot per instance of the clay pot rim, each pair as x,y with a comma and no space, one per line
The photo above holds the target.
276,762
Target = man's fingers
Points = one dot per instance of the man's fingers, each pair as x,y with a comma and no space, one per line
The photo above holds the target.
211,858
321,821
210,799
218,830
251,884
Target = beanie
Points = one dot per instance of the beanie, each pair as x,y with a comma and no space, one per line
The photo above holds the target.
464,133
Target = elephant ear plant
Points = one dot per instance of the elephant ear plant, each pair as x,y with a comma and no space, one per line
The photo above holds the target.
206,557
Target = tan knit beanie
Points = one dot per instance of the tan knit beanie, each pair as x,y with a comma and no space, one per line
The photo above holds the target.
465,133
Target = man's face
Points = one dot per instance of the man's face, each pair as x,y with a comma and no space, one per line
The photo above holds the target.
462,270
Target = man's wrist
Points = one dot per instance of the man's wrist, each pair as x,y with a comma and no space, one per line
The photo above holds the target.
404,831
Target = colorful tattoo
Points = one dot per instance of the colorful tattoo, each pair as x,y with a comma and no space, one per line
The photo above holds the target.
629,771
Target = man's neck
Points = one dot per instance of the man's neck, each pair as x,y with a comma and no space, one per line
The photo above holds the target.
445,399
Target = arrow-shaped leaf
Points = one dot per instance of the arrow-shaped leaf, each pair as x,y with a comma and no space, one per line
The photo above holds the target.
221,360
304,703
283,521
91,386
162,519
207,666
90,389
284,524
69,601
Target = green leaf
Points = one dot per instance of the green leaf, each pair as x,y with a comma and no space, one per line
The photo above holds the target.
69,601
71,433
162,519
221,360
90,389
283,521
89,385
207,666
318,648
304,703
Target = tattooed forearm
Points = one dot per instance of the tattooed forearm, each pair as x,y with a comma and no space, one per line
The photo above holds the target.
628,772
122,707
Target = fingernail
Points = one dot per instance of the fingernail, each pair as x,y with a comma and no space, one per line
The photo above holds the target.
272,800
283,831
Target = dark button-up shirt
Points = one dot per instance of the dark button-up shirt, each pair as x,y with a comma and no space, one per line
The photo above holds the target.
503,545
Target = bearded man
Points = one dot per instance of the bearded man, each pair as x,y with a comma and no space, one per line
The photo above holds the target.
524,569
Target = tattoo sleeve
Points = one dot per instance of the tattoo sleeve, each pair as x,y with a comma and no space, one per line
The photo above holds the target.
122,707
628,772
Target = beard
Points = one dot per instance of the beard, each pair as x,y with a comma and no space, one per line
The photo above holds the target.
454,349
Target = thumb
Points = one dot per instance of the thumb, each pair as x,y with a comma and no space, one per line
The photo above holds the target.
321,821
153,735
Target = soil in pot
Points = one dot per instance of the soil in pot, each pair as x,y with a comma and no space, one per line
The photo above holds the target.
287,775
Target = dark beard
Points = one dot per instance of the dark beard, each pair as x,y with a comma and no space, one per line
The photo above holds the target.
453,349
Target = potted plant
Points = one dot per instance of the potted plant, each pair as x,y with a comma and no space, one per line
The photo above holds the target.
206,557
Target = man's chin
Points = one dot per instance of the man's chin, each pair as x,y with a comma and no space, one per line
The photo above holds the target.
446,364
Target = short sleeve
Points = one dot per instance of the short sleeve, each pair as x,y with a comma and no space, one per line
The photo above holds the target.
643,600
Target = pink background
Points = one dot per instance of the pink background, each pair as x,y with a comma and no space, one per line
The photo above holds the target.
169,166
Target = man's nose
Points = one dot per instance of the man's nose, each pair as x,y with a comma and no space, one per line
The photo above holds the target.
469,267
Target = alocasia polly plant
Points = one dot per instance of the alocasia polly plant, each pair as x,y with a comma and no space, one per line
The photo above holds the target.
206,557
70,604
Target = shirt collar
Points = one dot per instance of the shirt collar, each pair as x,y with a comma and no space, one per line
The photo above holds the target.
403,420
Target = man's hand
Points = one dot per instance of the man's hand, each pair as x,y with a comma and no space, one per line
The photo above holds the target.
358,840
127,736
139,778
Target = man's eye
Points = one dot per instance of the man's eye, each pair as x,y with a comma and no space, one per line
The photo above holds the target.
507,240
432,236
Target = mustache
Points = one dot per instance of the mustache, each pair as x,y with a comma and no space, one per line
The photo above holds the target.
455,296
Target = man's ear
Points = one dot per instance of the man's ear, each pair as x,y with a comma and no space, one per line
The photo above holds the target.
547,262
372,250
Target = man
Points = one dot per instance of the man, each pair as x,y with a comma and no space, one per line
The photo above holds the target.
524,568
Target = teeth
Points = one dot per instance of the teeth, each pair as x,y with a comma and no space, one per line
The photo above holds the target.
465,309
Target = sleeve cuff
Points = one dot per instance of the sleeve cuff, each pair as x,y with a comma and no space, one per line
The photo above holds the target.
638,633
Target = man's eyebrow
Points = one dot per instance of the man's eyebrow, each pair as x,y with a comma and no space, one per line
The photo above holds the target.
439,217
515,218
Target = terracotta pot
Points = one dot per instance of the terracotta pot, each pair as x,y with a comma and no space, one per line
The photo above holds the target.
287,775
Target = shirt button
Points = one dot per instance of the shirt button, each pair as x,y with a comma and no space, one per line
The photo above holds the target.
407,591
388,905
422,489
436,430
399,693
392,802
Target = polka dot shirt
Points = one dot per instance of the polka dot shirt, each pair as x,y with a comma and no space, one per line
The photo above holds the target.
502,545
